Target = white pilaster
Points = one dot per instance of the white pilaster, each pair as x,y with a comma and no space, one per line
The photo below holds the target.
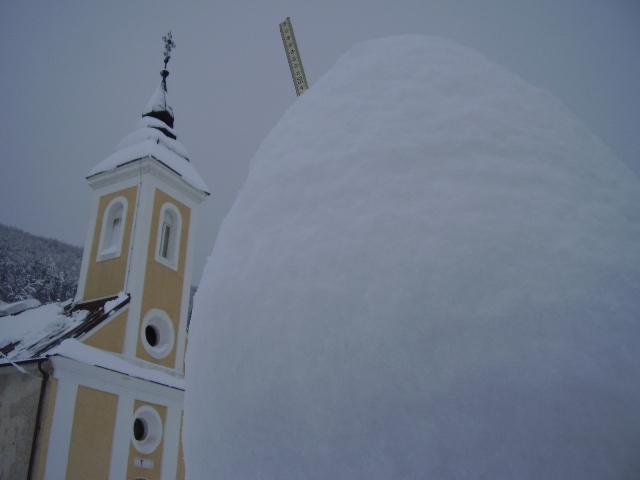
61,426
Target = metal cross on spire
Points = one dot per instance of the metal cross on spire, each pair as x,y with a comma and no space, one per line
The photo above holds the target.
168,45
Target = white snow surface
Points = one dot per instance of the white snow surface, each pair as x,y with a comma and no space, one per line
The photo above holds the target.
33,325
88,355
111,304
154,122
432,271
17,307
159,101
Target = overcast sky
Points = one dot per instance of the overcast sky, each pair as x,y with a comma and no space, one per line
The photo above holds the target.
75,77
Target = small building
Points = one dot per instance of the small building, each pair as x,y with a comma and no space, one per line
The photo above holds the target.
94,388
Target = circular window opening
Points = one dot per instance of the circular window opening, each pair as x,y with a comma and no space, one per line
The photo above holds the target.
158,334
151,334
147,429
139,429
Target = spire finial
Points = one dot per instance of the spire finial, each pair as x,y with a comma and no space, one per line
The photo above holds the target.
158,106
168,45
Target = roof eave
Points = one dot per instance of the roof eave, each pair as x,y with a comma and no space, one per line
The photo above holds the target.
147,164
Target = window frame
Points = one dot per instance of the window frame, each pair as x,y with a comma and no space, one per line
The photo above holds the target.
175,232
109,246
164,331
153,429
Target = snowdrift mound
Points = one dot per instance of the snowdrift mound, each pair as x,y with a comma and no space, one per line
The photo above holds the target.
432,271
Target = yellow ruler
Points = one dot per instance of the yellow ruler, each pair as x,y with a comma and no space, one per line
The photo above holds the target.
293,56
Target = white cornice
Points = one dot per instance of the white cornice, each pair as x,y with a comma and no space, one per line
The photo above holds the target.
95,374
145,165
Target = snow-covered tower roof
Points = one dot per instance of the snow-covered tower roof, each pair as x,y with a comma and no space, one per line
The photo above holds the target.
158,106
154,137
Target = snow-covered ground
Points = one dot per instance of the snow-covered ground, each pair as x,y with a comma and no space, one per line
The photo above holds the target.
432,271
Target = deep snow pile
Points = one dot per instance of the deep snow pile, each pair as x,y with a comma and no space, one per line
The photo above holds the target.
432,271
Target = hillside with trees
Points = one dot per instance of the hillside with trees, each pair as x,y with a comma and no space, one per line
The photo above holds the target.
36,267
40,268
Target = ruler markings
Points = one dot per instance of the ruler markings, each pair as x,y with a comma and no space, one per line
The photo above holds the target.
293,57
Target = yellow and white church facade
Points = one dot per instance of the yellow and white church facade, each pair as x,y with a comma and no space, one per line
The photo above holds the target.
96,390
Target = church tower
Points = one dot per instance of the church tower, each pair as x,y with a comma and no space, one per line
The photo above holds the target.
140,238
104,394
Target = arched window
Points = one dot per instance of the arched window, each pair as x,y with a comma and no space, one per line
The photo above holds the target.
112,229
169,229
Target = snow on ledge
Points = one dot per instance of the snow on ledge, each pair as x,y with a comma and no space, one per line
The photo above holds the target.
18,307
150,148
111,304
80,352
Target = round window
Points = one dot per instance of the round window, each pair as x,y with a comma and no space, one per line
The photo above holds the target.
147,429
151,335
140,429
157,333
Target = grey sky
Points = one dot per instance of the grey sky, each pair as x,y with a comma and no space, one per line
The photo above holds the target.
77,75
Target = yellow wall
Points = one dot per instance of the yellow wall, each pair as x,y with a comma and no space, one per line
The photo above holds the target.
92,434
155,456
107,277
111,336
45,432
163,285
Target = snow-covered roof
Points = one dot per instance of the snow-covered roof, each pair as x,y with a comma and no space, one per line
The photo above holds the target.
154,137
18,307
159,101
54,329
88,355
34,333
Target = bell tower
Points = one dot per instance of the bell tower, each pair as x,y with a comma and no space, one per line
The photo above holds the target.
141,234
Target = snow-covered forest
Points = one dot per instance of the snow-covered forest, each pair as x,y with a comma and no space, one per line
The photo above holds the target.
36,267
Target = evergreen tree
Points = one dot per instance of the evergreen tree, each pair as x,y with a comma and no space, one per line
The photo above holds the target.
36,267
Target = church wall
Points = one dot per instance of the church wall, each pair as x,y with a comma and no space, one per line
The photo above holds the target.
19,399
92,434
46,419
110,336
91,420
135,456
107,277
164,286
